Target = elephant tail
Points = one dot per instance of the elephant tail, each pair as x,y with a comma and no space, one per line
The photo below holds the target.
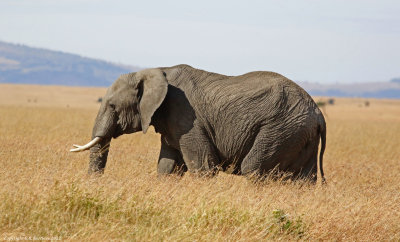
322,129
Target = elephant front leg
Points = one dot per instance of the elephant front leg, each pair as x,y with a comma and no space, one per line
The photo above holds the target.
170,160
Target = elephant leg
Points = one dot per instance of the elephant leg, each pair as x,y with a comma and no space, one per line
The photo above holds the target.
170,160
199,153
298,160
309,172
262,157
306,165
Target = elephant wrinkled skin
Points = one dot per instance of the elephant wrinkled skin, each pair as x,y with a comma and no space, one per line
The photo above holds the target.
250,124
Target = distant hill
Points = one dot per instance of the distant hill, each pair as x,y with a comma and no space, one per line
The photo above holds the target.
396,80
23,64
367,90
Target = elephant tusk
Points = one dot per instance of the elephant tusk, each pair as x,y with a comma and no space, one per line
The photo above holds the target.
89,145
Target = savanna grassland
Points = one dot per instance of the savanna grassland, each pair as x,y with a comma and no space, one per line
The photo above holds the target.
45,191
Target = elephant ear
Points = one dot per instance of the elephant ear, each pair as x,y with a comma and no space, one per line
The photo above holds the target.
155,87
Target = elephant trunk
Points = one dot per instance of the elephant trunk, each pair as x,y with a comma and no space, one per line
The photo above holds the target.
98,156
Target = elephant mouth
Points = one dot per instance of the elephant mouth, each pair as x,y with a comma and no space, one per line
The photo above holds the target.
117,134
119,131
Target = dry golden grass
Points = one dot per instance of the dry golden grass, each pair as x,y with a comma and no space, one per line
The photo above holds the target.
45,192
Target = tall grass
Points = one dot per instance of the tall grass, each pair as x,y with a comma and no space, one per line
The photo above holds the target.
45,191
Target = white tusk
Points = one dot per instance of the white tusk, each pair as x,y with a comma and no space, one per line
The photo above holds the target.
89,145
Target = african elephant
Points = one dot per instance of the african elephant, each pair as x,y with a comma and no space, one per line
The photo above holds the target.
249,124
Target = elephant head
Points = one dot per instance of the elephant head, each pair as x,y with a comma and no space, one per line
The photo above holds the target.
127,107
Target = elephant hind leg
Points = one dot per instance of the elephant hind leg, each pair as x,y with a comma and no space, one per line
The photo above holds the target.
269,156
305,166
260,157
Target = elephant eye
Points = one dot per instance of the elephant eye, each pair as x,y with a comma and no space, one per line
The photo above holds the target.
112,106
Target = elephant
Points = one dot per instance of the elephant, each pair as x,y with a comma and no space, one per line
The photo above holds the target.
252,124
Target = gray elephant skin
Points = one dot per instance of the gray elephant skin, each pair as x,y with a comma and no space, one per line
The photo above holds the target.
251,124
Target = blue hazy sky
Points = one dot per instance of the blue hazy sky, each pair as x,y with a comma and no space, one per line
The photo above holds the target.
322,41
